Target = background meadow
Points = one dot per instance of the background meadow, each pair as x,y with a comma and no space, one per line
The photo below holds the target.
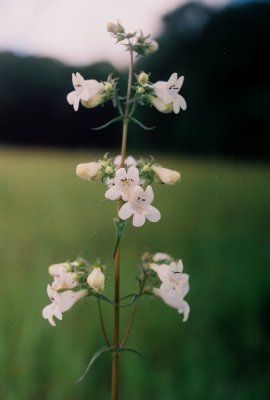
216,220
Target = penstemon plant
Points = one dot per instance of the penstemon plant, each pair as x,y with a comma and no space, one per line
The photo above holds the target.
128,183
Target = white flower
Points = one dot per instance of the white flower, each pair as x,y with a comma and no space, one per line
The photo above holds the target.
161,257
167,94
85,90
166,175
174,286
89,171
129,161
96,280
124,183
139,205
61,302
63,277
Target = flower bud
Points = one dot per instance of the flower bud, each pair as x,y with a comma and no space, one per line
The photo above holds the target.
146,168
143,79
152,47
88,171
109,170
115,28
96,279
140,90
166,175
108,86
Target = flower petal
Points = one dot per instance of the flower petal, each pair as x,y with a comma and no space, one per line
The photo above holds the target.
71,97
76,103
153,214
125,211
84,94
138,219
112,193
172,80
133,173
69,298
184,309
182,102
176,105
149,194
162,271
180,82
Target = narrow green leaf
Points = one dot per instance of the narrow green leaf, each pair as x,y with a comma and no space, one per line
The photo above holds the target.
119,225
132,350
147,128
105,298
93,359
116,119
135,298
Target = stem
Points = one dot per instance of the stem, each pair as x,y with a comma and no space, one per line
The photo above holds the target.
126,115
133,313
115,358
102,324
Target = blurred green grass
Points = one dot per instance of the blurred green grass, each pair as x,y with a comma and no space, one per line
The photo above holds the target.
216,220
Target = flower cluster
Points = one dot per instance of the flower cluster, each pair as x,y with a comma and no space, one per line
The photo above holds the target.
90,92
130,184
174,284
140,44
163,95
71,282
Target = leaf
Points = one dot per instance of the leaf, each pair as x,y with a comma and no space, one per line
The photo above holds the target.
132,350
147,128
116,119
105,298
119,225
93,359
135,298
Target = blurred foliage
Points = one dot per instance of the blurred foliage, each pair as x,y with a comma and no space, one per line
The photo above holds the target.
215,220
223,55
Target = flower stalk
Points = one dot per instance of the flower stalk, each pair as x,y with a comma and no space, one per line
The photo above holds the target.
115,358
129,183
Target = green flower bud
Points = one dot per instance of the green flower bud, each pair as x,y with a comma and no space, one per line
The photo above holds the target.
108,86
140,90
109,170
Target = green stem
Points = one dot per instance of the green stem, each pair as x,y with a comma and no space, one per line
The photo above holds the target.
115,358
133,313
103,329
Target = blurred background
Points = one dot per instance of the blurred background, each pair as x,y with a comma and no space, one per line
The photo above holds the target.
216,219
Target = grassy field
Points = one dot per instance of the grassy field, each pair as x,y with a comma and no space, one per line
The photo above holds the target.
217,220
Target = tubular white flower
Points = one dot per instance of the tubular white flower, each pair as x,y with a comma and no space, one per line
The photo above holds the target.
61,302
89,171
96,280
89,91
168,99
165,175
139,205
63,277
129,161
124,184
174,286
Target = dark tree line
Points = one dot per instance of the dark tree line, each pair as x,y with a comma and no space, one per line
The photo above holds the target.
224,58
